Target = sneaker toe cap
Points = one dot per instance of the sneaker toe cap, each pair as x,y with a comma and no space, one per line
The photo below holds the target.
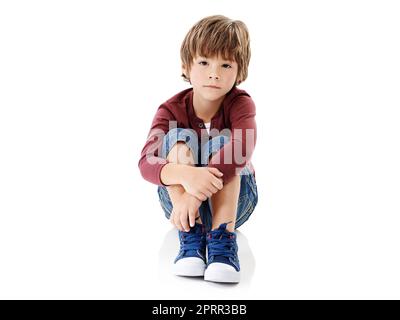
221,272
190,266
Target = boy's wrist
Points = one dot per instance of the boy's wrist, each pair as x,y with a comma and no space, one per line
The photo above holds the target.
174,173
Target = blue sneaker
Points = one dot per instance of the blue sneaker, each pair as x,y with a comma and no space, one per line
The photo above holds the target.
223,262
191,260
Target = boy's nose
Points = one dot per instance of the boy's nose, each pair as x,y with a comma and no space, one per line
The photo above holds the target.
213,75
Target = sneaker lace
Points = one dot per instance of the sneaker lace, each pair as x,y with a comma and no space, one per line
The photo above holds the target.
221,244
190,241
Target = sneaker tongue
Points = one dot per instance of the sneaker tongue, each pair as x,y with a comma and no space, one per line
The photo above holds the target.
221,259
198,228
190,253
217,233
222,227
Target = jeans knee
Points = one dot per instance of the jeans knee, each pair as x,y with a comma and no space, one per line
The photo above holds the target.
213,146
175,135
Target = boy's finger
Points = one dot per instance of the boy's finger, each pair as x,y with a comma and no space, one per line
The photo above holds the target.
217,183
192,218
207,193
178,225
213,189
201,196
184,222
176,222
216,172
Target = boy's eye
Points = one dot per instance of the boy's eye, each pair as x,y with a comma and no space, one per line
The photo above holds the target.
225,65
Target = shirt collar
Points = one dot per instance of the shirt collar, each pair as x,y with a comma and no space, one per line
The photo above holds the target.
192,113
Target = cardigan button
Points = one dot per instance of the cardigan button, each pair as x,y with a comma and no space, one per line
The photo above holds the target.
200,125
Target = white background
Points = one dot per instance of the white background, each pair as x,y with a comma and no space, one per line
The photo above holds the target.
80,82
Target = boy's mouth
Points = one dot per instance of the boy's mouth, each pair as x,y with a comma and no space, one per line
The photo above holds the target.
213,87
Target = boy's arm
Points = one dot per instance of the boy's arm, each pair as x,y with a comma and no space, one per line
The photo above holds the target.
150,163
175,191
172,173
242,141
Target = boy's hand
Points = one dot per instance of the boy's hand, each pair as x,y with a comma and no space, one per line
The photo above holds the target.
184,212
202,182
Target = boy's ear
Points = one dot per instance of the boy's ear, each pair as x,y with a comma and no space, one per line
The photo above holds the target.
184,70
185,73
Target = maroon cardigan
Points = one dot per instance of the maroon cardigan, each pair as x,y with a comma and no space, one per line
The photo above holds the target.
237,113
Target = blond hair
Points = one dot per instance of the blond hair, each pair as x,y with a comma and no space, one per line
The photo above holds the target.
218,36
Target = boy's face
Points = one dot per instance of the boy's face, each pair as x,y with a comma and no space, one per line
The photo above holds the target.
212,78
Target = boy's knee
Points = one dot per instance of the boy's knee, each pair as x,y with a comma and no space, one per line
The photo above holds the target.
180,146
181,153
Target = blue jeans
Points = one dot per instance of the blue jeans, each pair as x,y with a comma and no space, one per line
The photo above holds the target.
248,196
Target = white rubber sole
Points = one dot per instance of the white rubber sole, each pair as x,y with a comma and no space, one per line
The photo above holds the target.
221,272
189,267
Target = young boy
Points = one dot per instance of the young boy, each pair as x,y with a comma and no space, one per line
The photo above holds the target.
199,148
